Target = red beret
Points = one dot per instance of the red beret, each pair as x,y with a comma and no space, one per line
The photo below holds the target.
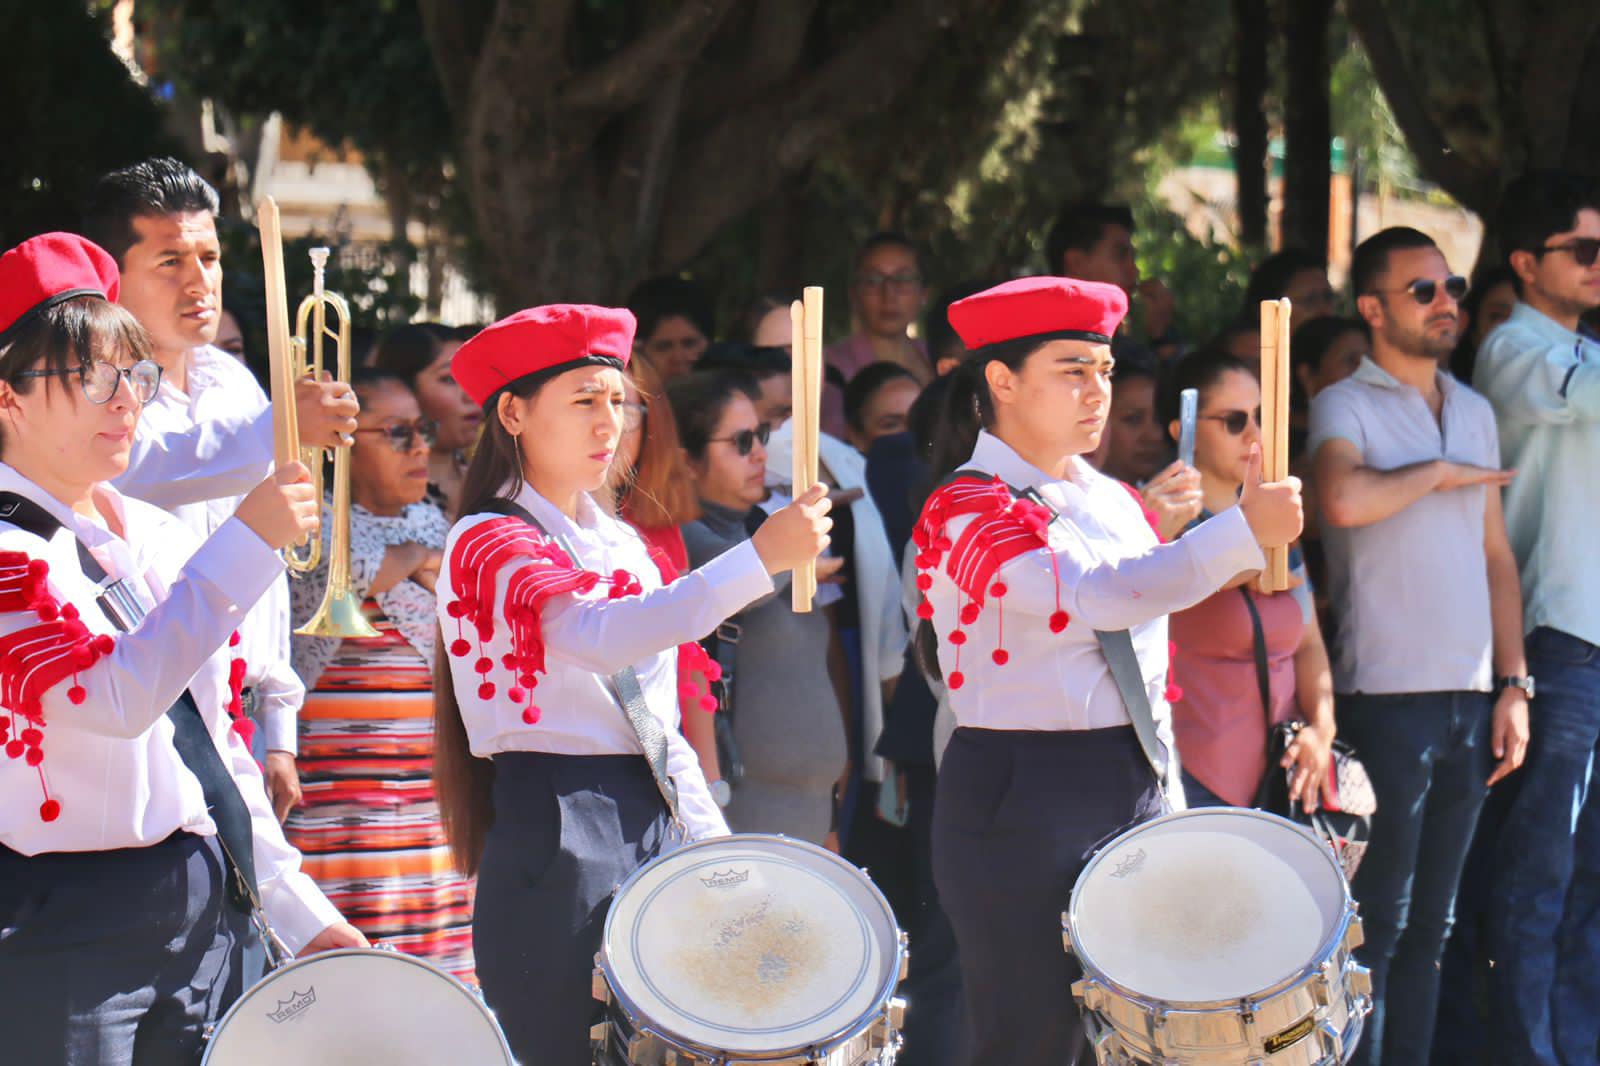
553,337
41,272
1043,307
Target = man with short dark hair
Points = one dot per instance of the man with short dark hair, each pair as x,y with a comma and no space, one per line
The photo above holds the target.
1424,587
1541,371
205,438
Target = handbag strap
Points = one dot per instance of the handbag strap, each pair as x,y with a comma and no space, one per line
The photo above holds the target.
623,685
1259,639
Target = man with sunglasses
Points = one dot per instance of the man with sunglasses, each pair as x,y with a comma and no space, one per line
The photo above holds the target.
205,436
1542,373
1428,615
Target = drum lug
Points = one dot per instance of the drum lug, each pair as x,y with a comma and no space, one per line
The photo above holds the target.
599,987
1085,990
896,1013
905,954
1360,981
1066,933
1354,934
597,1036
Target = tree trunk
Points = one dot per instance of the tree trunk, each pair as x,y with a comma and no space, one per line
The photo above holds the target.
1250,119
1307,126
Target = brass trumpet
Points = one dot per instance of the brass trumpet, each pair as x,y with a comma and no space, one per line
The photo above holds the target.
339,614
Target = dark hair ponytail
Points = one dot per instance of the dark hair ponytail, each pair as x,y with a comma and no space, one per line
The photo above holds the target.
463,782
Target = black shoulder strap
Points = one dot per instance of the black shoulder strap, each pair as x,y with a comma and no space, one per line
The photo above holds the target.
513,509
29,517
1259,640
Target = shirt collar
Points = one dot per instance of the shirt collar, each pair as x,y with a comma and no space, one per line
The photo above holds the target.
590,518
91,532
999,458
1370,373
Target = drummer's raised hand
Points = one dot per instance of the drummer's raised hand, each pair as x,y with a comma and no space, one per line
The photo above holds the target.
796,534
336,936
1272,508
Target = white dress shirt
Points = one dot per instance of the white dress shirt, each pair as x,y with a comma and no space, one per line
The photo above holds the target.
110,760
588,637
222,391
1114,574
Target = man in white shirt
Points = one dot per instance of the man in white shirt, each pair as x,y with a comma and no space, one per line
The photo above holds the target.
205,440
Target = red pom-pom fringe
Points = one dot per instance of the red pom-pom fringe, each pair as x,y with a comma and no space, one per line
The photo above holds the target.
1000,656
1058,621
958,679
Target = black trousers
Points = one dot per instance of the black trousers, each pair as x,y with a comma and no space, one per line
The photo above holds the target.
118,958
567,830
1017,816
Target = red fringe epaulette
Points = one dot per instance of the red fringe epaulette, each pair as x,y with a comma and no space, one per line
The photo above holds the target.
1003,527
35,659
242,723
693,662
475,564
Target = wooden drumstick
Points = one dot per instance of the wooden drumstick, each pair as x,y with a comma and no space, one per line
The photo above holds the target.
805,330
1275,422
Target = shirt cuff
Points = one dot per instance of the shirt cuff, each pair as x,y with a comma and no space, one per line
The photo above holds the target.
238,562
737,577
280,729
1223,547
297,909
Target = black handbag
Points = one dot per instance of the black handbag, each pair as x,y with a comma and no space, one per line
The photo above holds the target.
1348,801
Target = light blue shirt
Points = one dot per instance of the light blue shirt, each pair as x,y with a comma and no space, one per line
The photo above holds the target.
1544,382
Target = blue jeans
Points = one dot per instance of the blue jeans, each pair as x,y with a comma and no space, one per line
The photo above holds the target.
1428,756
1198,795
1545,921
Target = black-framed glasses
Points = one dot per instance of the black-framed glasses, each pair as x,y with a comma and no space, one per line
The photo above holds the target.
1235,421
889,281
744,441
403,436
1423,290
1584,250
633,415
101,379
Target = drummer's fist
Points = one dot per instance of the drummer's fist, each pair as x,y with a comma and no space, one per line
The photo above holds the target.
1272,508
336,936
796,534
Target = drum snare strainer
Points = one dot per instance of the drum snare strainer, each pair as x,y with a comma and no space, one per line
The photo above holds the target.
1218,937
749,949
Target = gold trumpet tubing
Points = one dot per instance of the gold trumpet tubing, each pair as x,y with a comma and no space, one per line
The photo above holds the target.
339,614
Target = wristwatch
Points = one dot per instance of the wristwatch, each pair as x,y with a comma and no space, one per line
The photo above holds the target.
721,793
1523,683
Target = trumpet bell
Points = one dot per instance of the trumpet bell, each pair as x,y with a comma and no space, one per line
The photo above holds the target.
339,616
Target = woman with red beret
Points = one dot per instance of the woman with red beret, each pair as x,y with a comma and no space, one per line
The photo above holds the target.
135,834
1043,581
558,761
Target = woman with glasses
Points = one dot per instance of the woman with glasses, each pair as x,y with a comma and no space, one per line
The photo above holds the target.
1240,646
558,760
421,353
135,834
368,822
788,727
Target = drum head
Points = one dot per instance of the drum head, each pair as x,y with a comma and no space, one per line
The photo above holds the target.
749,944
1205,905
357,1006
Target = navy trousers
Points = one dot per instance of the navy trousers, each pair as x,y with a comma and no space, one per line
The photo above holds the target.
118,958
567,830
1017,816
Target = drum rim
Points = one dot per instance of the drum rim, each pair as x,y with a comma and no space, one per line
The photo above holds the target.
641,1021
1094,972
385,952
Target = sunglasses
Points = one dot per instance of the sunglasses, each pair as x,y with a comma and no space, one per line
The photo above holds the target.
1584,250
1235,421
744,441
1423,290
403,436
100,379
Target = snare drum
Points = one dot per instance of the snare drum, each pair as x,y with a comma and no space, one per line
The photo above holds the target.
749,949
357,1005
1218,937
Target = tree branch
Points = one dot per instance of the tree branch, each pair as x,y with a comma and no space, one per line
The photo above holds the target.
772,39
1553,69
1474,187
628,77
454,29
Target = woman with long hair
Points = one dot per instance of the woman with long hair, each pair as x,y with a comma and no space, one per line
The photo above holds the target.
368,821
1038,573
558,762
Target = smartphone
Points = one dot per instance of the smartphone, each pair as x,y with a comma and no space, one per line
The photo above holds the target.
1188,412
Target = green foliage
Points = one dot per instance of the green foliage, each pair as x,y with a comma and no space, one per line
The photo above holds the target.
1208,278
75,113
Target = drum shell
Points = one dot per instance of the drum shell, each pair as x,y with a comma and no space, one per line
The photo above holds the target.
1312,1017
628,1037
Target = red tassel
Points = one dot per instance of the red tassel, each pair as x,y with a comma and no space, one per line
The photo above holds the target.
1000,656
958,679
49,811
1059,620
925,610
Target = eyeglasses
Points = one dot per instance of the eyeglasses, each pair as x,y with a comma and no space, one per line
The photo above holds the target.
403,436
1584,250
101,379
1235,421
1423,290
633,415
889,281
744,441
